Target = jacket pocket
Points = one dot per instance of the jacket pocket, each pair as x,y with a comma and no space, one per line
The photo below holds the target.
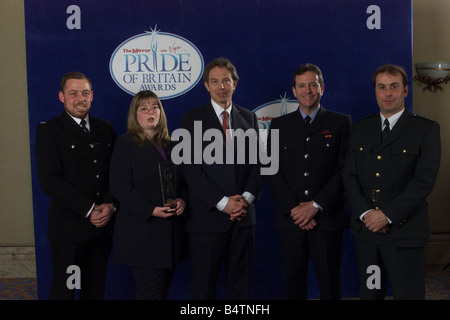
404,157
362,152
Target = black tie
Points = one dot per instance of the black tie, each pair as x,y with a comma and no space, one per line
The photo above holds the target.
386,130
83,125
308,122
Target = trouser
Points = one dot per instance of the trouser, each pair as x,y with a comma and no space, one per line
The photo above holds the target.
152,283
91,257
209,251
402,266
325,250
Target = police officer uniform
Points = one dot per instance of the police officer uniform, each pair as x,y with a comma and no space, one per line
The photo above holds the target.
73,170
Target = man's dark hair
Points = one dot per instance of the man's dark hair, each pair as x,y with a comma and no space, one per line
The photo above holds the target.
392,69
221,63
305,68
73,75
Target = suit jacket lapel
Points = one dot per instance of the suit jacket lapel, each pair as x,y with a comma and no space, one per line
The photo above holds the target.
236,119
70,125
153,151
210,119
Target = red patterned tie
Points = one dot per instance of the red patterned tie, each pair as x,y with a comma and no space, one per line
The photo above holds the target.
225,121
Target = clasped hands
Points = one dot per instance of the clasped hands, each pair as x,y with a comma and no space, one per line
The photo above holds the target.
236,207
303,215
101,214
376,221
165,212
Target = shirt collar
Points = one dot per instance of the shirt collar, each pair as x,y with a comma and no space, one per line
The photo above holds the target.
218,109
78,120
312,115
392,119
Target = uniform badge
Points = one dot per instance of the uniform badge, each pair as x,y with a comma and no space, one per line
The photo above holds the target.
326,133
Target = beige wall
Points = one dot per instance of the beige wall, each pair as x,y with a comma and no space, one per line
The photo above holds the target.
431,42
16,211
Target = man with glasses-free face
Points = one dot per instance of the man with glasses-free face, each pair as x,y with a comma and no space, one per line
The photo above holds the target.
73,152
390,169
221,212
308,190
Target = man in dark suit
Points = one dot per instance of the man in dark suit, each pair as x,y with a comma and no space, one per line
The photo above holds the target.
308,188
73,168
390,169
221,211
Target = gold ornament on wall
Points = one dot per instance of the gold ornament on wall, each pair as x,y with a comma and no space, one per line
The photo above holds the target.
433,74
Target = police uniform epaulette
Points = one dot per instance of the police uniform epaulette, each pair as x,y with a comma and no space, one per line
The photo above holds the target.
369,116
419,116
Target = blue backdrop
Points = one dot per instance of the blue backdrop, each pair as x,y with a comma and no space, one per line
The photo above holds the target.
265,39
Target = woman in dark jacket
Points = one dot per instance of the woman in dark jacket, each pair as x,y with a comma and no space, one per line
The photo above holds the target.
149,236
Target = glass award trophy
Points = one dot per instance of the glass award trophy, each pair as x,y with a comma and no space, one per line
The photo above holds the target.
168,179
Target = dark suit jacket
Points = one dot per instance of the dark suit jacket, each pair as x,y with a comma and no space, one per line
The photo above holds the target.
310,167
209,183
403,170
73,170
140,239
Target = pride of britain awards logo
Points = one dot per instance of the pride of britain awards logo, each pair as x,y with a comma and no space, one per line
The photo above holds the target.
164,63
266,112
